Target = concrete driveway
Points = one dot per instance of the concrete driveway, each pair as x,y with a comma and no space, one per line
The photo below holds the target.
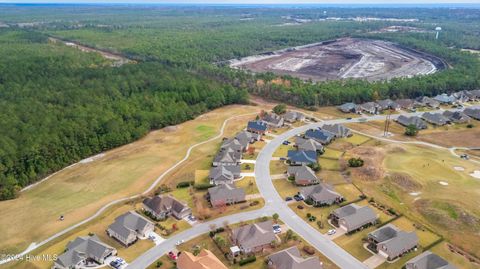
339,232
374,261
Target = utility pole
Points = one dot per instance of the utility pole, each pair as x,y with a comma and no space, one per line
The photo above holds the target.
387,124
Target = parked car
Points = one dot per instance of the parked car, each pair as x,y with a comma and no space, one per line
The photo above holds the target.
114,264
464,156
288,198
192,218
151,237
298,197
172,255
332,232
276,229
286,142
348,118
180,242
283,159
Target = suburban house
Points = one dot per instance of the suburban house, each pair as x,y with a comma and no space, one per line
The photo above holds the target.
129,227
474,95
407,104
338,130
300,157
427,101
428,260
224,174
320,135
290,258
388,104
225,194
413,120
257,127
353,217
370,107
254,237
456,116
273,120
293,116
308,144
349,108
435,118
303,175
227,156
246,138
473,113
321,195
463,96
84,251
445,99
204,260
162,206
391,242
233,144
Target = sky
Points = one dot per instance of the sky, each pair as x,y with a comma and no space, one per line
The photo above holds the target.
409,2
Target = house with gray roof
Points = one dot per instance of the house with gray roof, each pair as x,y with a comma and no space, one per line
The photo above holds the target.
232,143
353,217
370,107
473,112
321,195
456,116
291,258
225,194
407,104
303,175
474,95
388,104
427,101
224,174
435,118
294,116
273,120
257,127
130,227
320,135
227,156
162,206
246,138
301,157
445,99
391,242
462,96
428,260
308,144
413,120
349,108
338,130
84,251
253,237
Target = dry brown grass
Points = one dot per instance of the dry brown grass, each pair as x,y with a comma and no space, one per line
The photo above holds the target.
372,169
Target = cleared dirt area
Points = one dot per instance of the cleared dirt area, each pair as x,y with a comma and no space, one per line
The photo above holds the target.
343,58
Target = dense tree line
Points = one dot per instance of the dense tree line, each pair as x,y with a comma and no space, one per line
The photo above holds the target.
58,106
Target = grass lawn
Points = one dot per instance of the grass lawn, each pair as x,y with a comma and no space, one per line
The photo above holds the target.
285,188
356,139
320,212
329,164
332,154
248,156
282,151
348,191
201,176
278,167
247,167
331,177
248,184
181,225
382,217
353,243
79,191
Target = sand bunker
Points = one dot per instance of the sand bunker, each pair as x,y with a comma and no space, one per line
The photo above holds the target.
91,159
459,168
476,174
443,183
415,193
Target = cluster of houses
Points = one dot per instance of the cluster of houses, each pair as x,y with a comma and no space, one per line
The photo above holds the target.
457,98
300,160
440,119
226,164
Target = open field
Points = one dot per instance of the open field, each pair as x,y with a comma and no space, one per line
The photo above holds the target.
343,58
423,184
79,191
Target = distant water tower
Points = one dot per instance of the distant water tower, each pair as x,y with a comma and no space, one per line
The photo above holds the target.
437,29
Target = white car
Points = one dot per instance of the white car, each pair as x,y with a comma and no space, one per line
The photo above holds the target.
331,232
277,229
180,242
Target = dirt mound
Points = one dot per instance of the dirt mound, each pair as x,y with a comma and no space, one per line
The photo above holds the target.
392,149
372,168
405,182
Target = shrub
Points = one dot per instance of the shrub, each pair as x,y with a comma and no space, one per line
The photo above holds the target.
470,125
247,260
203,186
309,202
411,130
159,264
355,162
254,203
280,109
185,184
309,250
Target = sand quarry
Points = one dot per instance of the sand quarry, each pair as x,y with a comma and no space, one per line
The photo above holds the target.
342,59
